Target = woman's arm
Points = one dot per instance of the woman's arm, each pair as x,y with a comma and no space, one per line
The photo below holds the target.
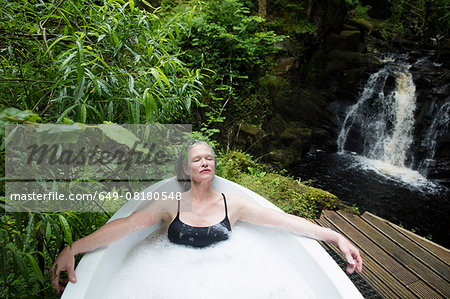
272,218
107,234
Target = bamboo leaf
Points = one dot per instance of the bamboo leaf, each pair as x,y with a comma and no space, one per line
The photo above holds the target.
99,115
131,84
29,230
56,41
110,111
66,229
150,106
79,91
20,264
80,62
65,112
48,231
34,265
83,113
115,39
137,112
132,5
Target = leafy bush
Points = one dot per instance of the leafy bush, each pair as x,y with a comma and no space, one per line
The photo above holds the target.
357,10
420,20
224,37
30,244
232,163
93,61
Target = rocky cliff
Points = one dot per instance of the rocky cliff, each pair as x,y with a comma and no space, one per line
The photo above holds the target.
310,91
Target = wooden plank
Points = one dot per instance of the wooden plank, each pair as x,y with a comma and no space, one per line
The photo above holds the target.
384,282
419,287
430,278
441,253
419,252
381,279
380,286
382,258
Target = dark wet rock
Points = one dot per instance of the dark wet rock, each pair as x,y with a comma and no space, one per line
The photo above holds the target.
284,65
443,53
251,138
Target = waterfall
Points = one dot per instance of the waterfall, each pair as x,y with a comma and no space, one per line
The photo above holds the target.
381,123
441,119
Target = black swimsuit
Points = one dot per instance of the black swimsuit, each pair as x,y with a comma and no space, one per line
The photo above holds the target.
199,236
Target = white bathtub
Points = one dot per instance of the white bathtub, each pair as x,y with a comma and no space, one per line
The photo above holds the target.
321,273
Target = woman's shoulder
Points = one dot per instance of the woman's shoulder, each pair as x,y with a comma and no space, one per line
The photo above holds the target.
164,207
238,200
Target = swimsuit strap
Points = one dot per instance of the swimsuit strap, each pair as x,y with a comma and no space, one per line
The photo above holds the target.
178,212
225,202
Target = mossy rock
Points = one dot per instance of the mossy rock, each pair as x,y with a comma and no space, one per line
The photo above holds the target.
251,136
298,138
284,157
350,40
362,24
290,195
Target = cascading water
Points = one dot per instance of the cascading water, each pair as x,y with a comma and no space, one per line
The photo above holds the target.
387,145
441,120
383,122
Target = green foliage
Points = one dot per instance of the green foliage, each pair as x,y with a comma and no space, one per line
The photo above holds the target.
88,62
93,62
417,19
14,115
357,10
289,195
291,17
30,244
232,163
224,37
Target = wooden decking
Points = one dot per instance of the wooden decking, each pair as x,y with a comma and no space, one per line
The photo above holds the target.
397,263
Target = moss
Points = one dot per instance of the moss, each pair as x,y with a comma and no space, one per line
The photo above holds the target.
290,195
362,23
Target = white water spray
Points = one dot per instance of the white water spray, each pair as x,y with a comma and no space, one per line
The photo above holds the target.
397,144
441,120
384,121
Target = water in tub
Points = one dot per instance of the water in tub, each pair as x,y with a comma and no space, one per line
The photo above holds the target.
245,266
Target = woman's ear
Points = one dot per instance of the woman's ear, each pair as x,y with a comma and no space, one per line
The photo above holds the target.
186,170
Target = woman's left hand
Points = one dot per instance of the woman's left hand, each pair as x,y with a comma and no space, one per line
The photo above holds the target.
351,254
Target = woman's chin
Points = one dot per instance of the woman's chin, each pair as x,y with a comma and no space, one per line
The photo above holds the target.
204,177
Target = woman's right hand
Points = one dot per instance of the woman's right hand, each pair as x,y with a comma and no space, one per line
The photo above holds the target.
110,232
65,262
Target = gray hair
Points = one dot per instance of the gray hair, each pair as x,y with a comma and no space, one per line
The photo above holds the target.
183,160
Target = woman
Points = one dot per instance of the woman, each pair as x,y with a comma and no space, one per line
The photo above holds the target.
202,217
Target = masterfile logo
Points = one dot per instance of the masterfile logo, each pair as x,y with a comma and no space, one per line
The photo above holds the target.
67,167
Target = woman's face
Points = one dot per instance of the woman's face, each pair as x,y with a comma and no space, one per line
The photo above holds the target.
201,163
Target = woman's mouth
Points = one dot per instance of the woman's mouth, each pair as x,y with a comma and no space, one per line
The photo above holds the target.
205,170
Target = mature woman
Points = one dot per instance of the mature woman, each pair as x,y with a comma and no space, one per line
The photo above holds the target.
201,218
